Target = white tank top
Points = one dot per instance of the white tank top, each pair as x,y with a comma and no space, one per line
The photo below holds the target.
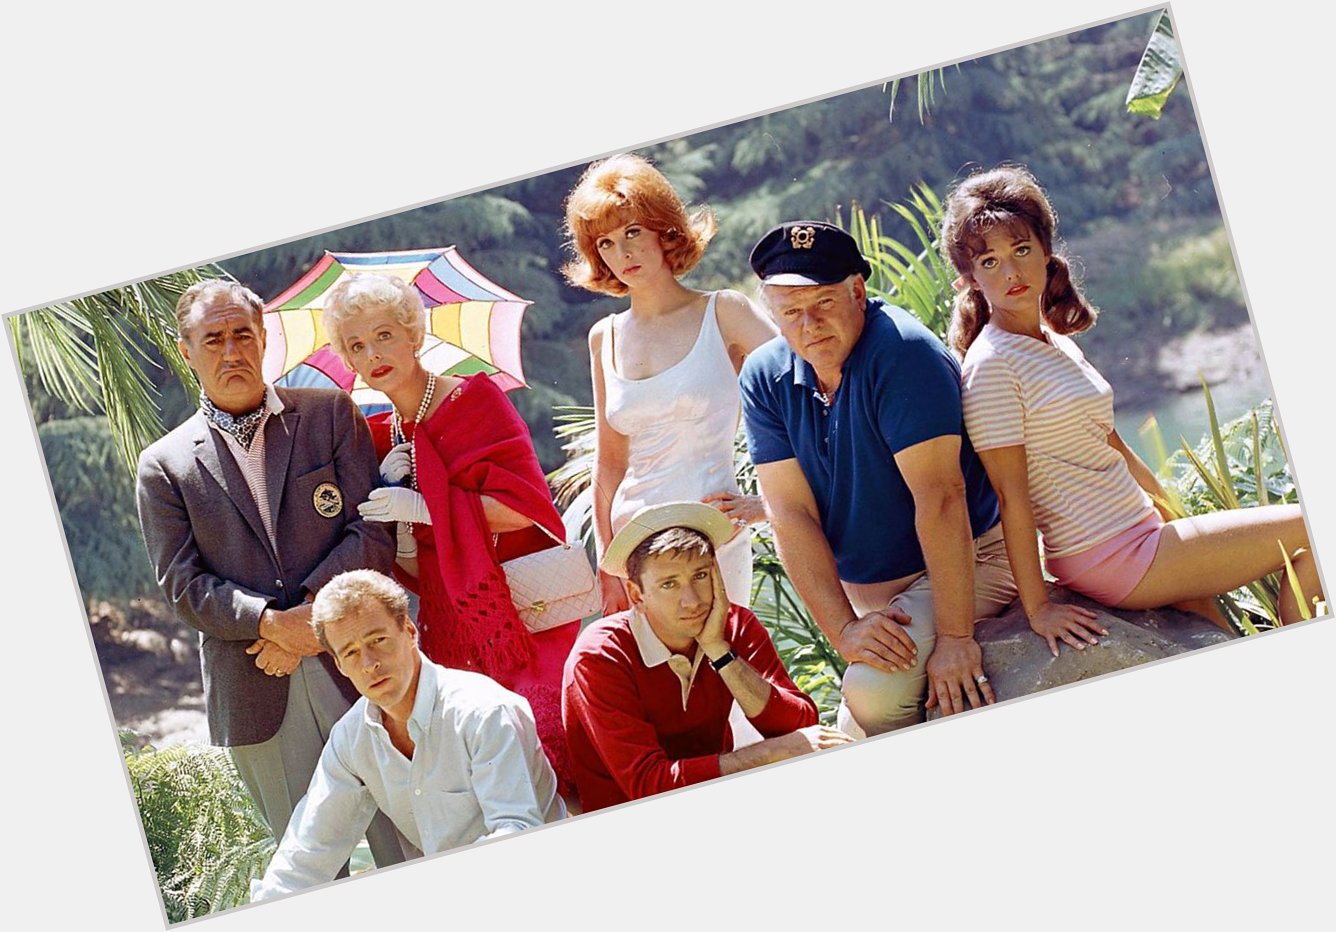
679,424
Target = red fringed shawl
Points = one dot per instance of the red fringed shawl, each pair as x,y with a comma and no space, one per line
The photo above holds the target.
476,444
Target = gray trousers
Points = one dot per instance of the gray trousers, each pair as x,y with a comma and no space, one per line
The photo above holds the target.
278,771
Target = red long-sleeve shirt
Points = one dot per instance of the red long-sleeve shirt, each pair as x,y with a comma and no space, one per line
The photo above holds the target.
622,706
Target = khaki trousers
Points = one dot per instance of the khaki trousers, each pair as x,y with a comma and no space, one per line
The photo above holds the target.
875,702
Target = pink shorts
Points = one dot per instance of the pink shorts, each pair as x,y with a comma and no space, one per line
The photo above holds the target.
1109,571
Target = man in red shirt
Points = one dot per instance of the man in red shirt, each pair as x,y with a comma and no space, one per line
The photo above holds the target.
646,693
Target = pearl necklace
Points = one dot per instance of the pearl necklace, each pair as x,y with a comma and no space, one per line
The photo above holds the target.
397,427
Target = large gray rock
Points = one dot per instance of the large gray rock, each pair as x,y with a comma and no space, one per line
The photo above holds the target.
1018,663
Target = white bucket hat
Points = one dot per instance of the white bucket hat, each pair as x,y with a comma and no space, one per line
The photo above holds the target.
652,519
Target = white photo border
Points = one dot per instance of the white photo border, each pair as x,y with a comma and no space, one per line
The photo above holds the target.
1196,791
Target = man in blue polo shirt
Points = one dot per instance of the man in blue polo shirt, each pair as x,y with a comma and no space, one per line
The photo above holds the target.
882,512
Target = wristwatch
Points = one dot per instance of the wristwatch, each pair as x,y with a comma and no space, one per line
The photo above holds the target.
724,660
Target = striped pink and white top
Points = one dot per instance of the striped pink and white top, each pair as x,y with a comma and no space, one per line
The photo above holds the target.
1044,395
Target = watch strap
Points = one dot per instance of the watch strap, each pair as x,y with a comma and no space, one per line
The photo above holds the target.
723,660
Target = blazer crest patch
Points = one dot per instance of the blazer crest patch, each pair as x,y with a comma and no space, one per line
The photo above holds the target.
328,500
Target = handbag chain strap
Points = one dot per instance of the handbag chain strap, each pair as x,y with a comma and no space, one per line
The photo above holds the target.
563,543
551,535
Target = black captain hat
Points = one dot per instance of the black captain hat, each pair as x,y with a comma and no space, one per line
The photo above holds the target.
807,252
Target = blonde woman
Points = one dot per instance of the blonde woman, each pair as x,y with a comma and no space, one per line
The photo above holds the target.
464,484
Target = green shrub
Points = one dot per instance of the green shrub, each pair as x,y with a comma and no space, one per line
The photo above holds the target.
205,836
1239,465
96,498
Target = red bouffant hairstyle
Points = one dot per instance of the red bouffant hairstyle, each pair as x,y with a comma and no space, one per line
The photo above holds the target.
1008,197
628,189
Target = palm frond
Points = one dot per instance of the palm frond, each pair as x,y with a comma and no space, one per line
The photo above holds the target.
1259,479
926,84
99,352
52,342
1305,610
574,426
1218,445
1158,73
914,277
128,394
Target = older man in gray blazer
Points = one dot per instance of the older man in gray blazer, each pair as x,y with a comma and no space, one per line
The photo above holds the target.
247,509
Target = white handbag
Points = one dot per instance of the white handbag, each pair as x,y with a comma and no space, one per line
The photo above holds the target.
554,586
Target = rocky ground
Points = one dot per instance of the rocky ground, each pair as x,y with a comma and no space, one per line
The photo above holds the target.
1220,356
1227,355
150,666
1018,662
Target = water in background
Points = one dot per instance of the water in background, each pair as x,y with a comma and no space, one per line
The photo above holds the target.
1183,414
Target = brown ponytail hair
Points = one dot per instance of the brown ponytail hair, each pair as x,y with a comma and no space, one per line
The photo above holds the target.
1008,197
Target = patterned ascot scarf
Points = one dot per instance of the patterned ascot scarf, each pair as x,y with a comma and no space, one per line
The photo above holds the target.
243,427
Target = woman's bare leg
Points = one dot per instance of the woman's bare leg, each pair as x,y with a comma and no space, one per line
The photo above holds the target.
1207,608
1206,555
1305,568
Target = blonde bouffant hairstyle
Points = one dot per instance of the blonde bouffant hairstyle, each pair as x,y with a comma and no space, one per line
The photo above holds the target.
368,291
1008,197
627,189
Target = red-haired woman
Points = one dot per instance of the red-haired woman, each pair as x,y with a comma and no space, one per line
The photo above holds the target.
665,368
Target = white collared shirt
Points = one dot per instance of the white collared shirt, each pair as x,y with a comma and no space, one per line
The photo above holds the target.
654,652
478,771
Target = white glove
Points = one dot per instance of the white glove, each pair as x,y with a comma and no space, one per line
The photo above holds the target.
395,505
407,545
398,463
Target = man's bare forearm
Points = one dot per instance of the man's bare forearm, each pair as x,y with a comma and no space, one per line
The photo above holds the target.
755,755
810,563
749,688
794,744
943,526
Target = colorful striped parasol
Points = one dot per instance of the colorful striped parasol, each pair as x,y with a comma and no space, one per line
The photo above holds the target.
473,324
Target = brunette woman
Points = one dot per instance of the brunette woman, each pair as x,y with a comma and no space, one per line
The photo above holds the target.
1041,419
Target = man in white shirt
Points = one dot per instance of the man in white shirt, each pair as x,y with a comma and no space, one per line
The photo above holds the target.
248,507
450,756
